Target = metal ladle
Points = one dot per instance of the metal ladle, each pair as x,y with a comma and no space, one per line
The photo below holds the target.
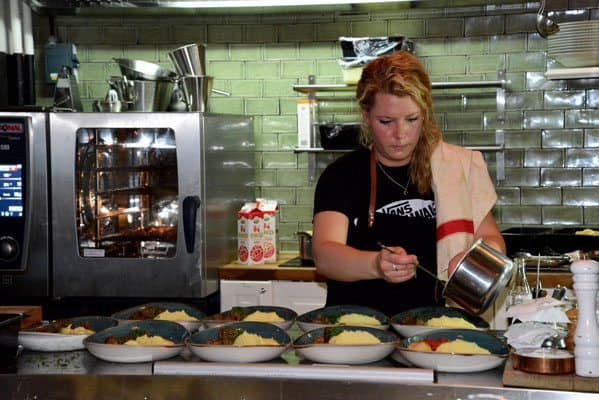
545,25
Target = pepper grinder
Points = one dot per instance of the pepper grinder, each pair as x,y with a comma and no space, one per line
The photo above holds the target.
586,337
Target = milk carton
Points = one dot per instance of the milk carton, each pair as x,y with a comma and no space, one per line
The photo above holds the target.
269,209
250,235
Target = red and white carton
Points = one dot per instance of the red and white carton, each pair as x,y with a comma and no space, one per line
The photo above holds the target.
269,210
250,235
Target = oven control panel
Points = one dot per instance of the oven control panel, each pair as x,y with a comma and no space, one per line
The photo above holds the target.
13,193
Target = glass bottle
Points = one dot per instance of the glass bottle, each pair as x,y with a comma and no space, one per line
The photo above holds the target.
519,290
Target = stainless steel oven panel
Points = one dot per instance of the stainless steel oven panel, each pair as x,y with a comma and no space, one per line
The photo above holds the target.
31,278
228,180
187,274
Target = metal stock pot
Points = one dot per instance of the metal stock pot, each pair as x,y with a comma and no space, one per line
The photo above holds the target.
478,278
305,245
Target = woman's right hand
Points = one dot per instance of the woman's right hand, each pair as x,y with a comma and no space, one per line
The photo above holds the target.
395,264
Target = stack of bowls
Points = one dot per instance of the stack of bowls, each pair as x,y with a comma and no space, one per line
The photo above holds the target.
190,64
143,86
576,44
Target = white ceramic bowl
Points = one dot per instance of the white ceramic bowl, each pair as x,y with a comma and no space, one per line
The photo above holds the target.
199,344
225,317
133,354
37,340
307,347
306,320
410,322
454,362
124,316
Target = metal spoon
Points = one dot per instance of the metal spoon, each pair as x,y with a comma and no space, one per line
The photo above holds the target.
545,25
420,267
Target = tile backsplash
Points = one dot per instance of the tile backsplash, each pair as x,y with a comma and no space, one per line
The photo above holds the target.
549,170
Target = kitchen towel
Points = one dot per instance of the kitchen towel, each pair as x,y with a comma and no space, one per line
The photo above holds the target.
464,195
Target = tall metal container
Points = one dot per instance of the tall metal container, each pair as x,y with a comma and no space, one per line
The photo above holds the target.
144,204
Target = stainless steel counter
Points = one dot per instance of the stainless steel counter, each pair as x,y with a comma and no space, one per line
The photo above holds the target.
79,375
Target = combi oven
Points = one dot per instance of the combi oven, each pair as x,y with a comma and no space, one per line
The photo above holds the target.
143,204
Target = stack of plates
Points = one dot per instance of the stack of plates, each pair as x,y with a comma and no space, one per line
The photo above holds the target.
576,44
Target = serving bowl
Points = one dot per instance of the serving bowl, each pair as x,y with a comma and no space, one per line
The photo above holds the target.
306,321
39,339
413,322
200,343
310,346
233,315
456,362
96,343
127,314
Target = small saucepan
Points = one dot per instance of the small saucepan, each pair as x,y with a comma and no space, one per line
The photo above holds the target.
305,245
478,278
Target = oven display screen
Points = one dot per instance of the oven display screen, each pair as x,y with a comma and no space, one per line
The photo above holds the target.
11,190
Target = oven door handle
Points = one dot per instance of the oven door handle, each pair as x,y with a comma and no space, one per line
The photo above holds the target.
190,211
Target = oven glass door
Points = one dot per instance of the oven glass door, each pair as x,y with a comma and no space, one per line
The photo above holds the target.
126,189
122,221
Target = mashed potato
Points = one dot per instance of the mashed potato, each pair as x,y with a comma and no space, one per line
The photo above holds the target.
260,316
449,322
462,347
357,319
587,232
251,339
145,340
354,337
175,316
69,330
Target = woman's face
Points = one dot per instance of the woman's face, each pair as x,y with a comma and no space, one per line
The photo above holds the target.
396,125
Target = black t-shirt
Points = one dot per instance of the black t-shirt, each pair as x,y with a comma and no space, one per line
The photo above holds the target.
401,219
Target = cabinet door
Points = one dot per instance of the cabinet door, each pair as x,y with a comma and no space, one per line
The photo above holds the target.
245,293
299,296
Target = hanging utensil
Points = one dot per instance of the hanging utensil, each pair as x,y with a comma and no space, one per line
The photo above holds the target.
545,25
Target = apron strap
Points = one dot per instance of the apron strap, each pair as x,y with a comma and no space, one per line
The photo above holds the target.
372,202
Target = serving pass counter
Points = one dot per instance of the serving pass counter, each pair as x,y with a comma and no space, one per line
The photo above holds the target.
79,375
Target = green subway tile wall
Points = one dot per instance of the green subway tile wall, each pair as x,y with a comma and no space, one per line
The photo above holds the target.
258,58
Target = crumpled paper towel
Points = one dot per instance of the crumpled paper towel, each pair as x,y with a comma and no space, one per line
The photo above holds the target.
528,334
544,309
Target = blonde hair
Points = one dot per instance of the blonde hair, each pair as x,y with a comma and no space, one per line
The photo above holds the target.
402,74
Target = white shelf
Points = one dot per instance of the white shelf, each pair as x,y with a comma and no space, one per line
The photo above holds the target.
492,147
572,73
503,84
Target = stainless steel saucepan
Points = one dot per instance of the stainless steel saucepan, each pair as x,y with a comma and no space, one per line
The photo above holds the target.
478,278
